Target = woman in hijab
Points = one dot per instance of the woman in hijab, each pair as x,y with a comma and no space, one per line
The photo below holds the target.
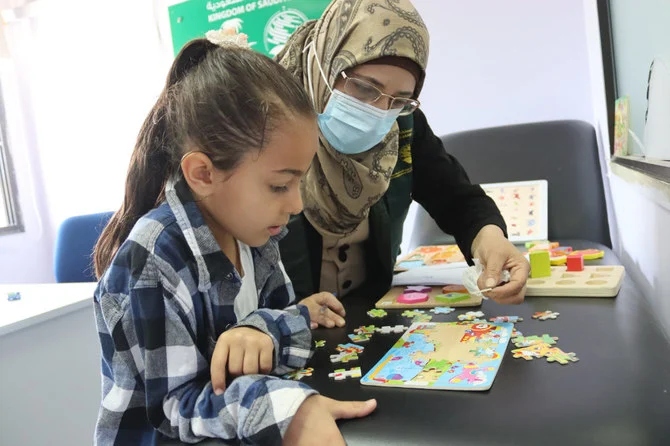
363,63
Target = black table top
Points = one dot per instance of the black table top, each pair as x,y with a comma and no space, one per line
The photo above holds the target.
617,394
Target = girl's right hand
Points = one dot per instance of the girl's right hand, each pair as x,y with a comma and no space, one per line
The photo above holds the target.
314,422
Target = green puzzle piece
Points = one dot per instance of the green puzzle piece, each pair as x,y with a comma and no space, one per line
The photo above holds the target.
452,297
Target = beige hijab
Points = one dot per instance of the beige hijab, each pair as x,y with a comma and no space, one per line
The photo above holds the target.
339,189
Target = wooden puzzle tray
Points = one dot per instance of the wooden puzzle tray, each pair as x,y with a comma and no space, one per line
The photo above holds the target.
593,281
388,301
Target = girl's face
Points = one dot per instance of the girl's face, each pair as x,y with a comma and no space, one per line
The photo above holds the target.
256,199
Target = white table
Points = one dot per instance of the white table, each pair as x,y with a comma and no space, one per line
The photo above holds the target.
49,365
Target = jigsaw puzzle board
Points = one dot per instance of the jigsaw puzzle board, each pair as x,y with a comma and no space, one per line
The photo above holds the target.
430,255
443,356
389,300
524,207
593,281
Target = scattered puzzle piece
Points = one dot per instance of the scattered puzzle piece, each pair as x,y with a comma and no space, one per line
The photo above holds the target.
412,313
422,318
386,329
319,344
365,330
513,319
544,315
417,289
350,348
359,337
377,312
516,333
344,357
541,349
297,375
341,374
470,316
442,310
525,341
555,354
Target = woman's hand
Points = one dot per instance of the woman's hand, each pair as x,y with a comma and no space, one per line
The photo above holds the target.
496,254
324,310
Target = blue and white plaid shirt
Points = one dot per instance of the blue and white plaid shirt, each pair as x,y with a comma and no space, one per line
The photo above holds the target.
160,308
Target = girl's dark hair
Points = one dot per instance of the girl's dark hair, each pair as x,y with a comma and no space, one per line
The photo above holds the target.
222,101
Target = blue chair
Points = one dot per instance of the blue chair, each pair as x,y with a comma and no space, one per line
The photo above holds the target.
75,241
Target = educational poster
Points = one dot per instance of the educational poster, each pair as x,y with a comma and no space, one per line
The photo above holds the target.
268,23
444,356
524,208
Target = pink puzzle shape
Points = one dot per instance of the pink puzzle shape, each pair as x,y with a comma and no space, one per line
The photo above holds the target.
412,298
417,289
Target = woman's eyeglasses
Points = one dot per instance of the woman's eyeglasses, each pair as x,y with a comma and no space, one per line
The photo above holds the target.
366,92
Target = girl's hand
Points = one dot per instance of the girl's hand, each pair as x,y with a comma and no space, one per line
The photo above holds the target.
314,422
324,310
240,351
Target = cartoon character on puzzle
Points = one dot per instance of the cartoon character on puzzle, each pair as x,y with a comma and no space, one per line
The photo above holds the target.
432,355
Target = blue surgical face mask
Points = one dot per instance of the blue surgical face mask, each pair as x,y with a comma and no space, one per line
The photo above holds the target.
349,125
352,126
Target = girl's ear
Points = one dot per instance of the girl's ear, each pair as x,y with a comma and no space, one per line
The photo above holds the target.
199,174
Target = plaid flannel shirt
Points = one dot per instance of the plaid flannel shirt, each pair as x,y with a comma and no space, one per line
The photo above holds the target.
160,308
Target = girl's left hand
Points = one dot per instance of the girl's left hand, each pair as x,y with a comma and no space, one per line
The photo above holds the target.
325,310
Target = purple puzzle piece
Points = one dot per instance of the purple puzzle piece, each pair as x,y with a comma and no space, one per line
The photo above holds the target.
417,289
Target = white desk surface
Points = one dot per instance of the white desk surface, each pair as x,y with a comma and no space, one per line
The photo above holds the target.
40,302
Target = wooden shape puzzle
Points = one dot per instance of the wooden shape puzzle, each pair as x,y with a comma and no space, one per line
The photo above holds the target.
443,356
344,357
412,298
575,262
436,298
297,375
540,264
593,281
341,374
545,315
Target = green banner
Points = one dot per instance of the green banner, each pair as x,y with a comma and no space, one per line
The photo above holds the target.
267,23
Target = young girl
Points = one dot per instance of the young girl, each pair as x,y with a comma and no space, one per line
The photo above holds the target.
192,304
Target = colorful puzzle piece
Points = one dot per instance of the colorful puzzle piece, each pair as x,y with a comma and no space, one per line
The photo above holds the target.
417,289
319,344
555,354
470,316
344,357
544,315
516,333
422,318
412,313
377,312
540,264
386,329
359,337
513,319
341,374
590,254
541,349
412,298
575,262
365,330
525,341
454,289
442,310
350,348
297,375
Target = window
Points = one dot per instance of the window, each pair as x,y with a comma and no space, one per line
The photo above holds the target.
9,212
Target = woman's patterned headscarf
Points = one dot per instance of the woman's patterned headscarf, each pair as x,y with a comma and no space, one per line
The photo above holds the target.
339,189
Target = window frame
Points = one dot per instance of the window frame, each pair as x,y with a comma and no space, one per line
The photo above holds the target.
8,190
